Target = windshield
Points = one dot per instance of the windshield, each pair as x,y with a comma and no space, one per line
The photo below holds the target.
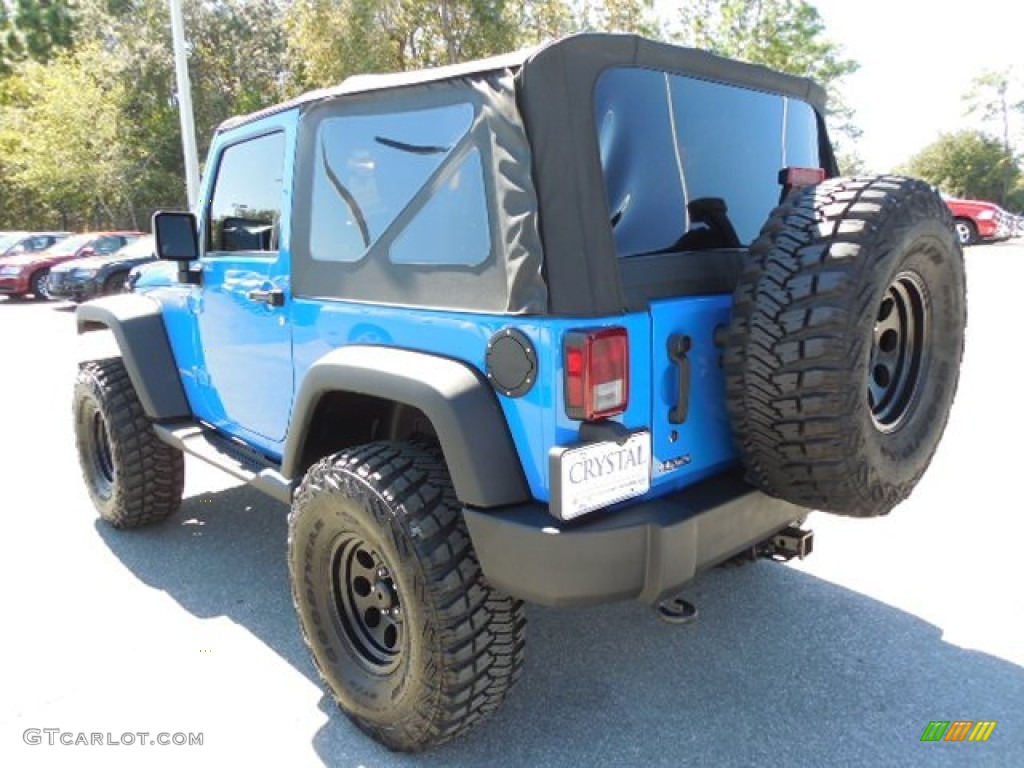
70,245
137,249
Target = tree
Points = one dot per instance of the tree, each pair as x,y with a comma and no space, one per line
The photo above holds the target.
59,138
33,30
967,164
336,38
89,128
787,35
332,39
236,58
636,16
546,20
995,98
95,133
850,163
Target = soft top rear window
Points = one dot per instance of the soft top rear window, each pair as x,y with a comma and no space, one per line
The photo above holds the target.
679,153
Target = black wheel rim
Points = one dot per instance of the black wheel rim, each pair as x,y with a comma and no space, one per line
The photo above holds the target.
368,604
898,351
103,456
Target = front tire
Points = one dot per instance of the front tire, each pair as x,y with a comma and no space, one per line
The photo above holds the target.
414,644
966,231
133,478
845,344
115,284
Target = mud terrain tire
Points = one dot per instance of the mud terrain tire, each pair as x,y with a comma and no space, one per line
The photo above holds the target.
133,478
412,641
844,348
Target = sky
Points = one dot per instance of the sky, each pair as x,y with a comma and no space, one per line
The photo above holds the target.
917,58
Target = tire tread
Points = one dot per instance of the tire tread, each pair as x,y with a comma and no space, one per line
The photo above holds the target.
480,635
805,281
150,473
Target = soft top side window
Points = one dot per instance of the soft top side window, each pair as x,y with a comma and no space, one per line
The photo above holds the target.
369,168
245,211
419,196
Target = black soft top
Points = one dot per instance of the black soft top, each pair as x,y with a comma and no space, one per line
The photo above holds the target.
541,108
358,84
556,87
575,55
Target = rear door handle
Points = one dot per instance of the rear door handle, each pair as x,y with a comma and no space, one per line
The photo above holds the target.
273,297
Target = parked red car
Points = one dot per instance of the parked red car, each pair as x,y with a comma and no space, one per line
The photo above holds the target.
29,272
977,220
13,243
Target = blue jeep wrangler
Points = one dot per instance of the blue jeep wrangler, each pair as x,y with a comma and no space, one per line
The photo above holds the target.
566,326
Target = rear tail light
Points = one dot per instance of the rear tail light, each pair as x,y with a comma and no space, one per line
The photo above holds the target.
801,177
794,179
596,373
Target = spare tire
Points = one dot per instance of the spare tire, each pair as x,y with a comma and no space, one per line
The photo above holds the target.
845,342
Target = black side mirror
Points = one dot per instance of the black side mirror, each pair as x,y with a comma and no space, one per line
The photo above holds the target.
176,236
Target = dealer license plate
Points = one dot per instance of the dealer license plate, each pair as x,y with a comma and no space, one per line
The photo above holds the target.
595,475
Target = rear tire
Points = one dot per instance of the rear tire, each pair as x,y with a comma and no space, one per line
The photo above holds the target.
37,284
414,644
133,478
845,343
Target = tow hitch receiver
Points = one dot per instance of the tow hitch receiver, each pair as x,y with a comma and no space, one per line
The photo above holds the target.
789,543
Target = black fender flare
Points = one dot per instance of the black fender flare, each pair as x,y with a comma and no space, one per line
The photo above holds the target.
138,326
458,401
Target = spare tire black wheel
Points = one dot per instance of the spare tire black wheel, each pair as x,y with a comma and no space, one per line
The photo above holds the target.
845,343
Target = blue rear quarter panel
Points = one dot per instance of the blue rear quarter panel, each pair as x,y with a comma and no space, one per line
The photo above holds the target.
537,420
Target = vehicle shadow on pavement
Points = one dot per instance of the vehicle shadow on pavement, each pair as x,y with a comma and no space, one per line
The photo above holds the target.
781,667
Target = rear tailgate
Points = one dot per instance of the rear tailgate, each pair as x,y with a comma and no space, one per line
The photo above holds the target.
690,429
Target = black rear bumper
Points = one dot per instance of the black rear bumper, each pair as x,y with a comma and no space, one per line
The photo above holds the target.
647,551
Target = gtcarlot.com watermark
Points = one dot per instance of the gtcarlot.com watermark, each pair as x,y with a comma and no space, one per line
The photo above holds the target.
55,736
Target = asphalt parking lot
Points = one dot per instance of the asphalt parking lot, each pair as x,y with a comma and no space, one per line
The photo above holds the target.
841,660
